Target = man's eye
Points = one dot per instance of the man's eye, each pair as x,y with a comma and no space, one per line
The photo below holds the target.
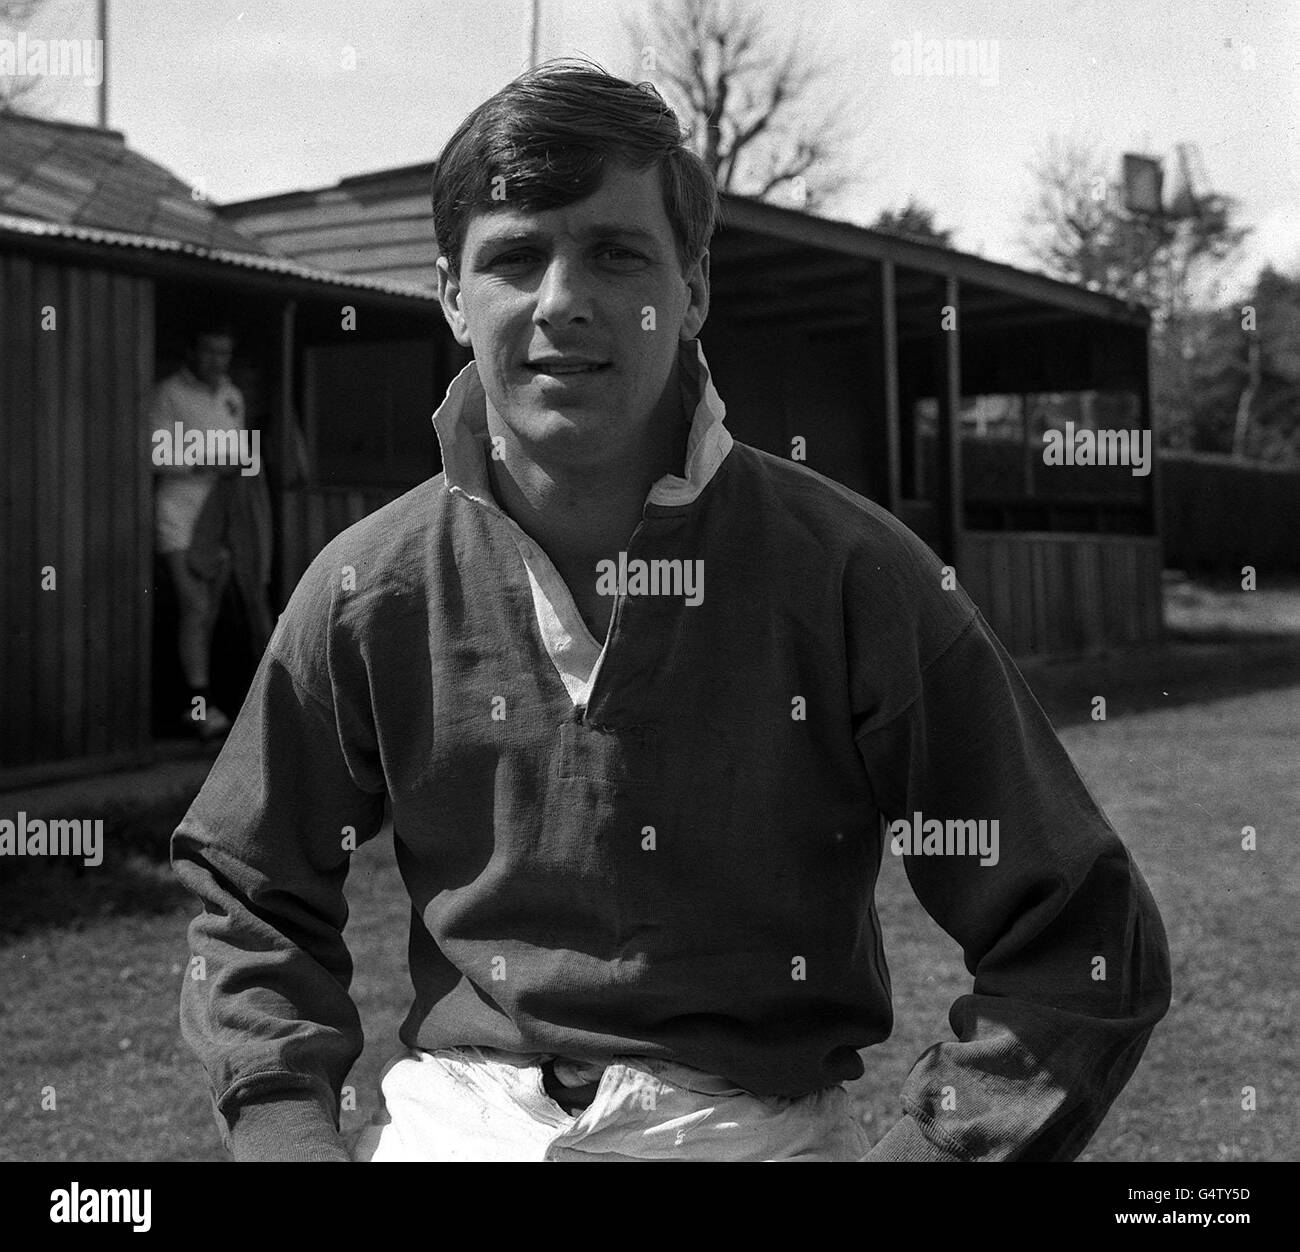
512,258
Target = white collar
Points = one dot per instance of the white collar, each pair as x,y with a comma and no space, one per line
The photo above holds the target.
461,426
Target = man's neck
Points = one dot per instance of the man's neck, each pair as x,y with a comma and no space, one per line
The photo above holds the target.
211,388
580,515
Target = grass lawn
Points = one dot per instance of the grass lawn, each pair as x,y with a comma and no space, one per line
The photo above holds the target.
88,997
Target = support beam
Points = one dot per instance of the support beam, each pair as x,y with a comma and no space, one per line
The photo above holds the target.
283,416
1026,438
948,436
889,366
1155,488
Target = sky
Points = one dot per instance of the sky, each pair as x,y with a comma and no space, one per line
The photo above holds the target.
248,99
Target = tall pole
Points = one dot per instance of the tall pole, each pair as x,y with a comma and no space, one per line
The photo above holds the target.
103,52
531,35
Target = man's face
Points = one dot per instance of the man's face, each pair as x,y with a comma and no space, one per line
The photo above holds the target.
212,355
558,307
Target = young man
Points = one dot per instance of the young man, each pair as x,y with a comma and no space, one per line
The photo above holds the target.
643,699
200,396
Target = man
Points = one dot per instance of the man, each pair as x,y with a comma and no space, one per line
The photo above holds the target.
200,397
642,698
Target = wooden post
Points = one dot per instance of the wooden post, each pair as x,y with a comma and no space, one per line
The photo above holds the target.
282,413
889,362
949,493
1155,494
1027,446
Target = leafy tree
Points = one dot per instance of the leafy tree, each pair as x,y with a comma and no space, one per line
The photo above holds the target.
1077,229
913,221
1242,362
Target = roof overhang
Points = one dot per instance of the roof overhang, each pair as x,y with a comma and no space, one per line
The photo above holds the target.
170,258
786,252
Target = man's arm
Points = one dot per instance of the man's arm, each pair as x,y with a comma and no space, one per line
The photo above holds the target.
161,417
1067,949
266,846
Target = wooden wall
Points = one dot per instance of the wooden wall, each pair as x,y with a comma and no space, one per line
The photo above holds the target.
75,496
1064,594
309,517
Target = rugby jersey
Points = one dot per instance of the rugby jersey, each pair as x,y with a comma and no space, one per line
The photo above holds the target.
664,843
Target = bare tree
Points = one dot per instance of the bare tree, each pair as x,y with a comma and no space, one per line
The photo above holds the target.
1077,229
761,109
19,89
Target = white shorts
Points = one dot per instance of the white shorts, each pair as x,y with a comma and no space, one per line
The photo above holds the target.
483,1104
178,501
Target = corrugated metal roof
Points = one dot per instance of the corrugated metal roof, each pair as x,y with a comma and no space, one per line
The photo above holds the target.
84,176
13,224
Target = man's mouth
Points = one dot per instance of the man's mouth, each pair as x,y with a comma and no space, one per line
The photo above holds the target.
562,367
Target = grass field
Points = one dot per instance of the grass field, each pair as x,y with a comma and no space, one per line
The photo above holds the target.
88,997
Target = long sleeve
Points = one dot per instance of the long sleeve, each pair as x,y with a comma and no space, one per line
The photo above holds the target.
1068,953
266,846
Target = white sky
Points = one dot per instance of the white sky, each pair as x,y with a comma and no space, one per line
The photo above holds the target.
252,98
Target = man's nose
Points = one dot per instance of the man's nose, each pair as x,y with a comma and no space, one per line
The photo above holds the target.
564,295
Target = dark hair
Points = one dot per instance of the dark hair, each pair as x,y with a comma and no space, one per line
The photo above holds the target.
550,135
210,328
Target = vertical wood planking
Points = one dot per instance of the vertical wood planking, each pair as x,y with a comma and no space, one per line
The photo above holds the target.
1047,594
19,349
144,372
72,494
1003,591
50,605
8,413
313,531
125,683
8,506
99,504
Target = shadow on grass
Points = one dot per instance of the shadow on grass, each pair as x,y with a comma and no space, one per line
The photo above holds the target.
133,878
1190,667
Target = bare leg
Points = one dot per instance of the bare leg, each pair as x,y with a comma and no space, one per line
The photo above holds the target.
197,617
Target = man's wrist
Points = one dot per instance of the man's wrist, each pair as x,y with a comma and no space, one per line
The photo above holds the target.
285,1126
906,1141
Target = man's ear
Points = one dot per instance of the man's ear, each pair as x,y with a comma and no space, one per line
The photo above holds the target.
697,286
449,297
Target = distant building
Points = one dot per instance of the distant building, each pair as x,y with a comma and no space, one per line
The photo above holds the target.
917,375
104,258
920,376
